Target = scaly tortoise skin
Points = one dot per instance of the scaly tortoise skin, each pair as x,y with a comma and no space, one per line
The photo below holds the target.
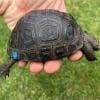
44,35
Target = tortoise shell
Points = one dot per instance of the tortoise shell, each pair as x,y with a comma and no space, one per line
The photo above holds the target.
45,35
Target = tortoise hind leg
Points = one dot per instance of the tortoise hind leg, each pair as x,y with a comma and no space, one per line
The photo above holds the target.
5,68
88,51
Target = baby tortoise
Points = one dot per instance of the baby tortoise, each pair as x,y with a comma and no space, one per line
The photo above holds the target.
43,35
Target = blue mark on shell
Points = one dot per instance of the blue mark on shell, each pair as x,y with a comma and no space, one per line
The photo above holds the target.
14,55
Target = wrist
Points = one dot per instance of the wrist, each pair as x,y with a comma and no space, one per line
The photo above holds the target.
4,4
60,5
54,4
26,6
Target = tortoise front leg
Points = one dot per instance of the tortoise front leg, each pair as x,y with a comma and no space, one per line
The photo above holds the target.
89,46
93,41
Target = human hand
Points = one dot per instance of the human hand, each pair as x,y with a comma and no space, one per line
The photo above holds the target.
13,10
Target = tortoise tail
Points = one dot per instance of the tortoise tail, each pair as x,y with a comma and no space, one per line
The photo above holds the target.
5,68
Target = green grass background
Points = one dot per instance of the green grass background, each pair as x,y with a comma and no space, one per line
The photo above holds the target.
74,81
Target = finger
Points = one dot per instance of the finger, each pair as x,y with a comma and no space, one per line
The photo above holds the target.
36,67
52,66
21,63
78,55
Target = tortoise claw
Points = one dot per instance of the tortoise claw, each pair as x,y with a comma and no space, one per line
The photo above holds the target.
93,41
88,51
89,46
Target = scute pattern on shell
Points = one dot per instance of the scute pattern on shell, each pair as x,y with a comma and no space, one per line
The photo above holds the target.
45,35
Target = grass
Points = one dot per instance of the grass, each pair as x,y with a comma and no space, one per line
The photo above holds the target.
74,81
